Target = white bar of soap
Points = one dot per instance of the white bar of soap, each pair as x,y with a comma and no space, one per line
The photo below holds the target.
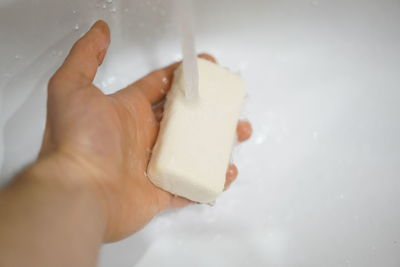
194,145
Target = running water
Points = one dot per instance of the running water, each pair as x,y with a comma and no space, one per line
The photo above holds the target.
190,71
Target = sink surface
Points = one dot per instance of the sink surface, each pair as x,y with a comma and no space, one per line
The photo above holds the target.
319,180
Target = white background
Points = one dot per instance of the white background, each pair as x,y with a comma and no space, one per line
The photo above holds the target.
319,181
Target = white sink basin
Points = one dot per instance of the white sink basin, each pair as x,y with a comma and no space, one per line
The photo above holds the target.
319,181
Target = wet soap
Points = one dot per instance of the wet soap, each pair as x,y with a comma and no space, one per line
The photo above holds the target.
194,145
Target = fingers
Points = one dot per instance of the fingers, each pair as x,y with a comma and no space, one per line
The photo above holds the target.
80,66
208,57
244,130
231,175
156,84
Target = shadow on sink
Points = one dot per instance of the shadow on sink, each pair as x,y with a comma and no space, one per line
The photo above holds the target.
24,109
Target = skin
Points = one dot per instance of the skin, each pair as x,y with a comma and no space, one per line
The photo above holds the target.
89,184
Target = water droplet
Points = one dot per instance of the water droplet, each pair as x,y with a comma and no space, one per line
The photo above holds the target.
74,11
165,80
109,1
18,56
341,196
76,27
176,57
104,6
315,135
259,139
113,10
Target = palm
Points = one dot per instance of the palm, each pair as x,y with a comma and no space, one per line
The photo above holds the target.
122,128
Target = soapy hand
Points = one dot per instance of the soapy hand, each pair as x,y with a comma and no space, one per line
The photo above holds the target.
109,138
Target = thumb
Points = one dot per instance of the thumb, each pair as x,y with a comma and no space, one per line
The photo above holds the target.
86,55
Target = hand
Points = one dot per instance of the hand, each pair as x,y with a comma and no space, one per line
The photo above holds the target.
107,138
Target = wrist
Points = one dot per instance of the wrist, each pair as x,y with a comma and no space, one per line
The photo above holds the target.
70,183
51,215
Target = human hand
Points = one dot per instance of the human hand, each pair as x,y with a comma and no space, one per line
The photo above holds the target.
108,138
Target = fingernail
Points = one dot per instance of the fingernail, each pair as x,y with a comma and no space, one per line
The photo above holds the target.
99,25
102,26
104,41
